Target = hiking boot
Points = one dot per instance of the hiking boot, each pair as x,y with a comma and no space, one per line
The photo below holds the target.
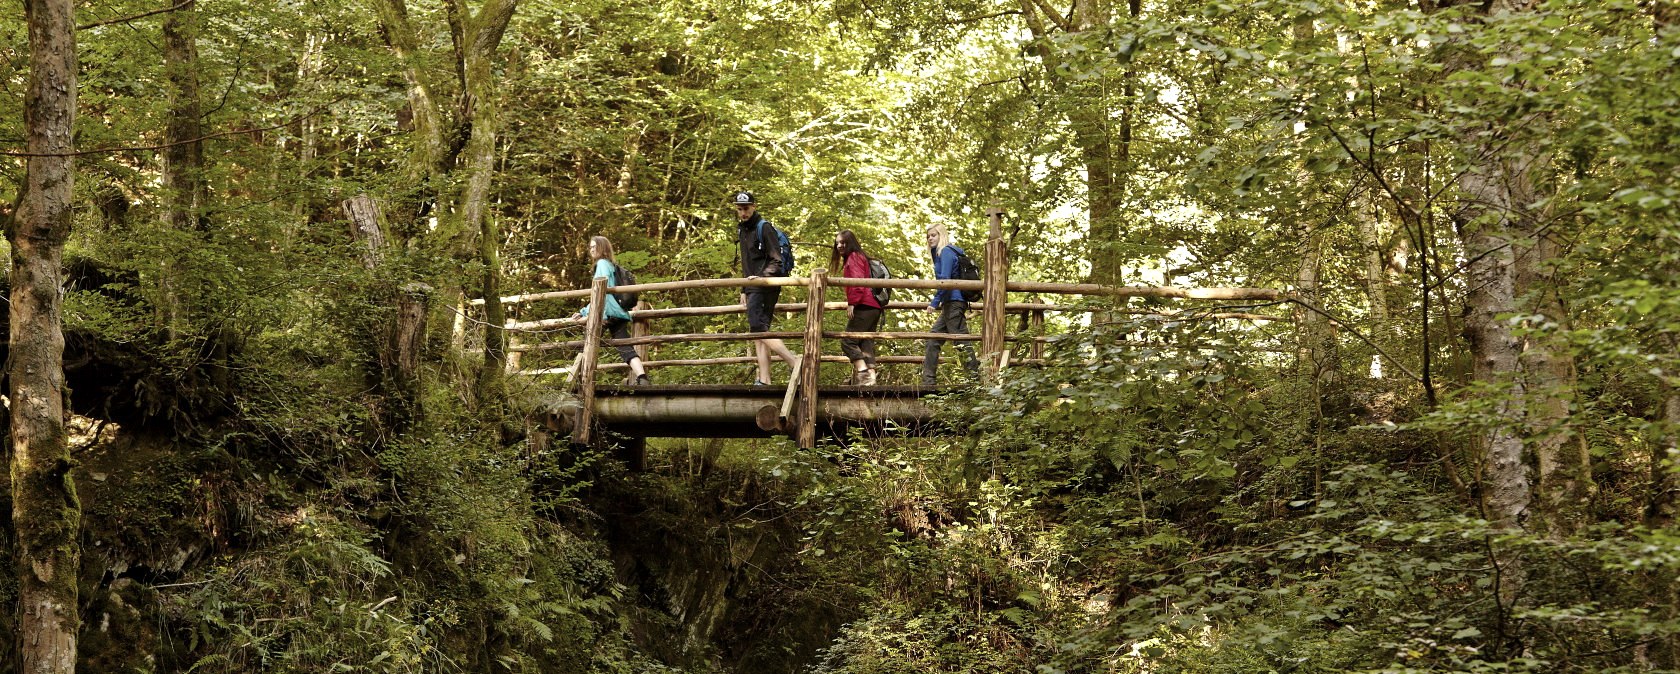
642,380
866,377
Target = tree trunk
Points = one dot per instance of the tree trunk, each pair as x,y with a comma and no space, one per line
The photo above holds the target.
183,153
427,159
1565,471
1105,159
1496,352
482,35
476,38
1316,354
45,511
1510,271
399,343
183,157
1662,504
1376,283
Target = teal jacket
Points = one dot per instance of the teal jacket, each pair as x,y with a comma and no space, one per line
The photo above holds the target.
603,268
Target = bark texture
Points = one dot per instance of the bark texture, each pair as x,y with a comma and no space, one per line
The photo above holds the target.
1487,236
1376,283
1511,257
45,511
400,342
183,157
428,159
483,33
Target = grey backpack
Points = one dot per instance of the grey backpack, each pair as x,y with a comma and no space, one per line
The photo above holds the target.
878,270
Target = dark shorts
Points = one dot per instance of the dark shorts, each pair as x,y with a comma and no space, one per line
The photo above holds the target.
761,307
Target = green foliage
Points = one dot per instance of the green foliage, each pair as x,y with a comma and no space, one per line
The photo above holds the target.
1162,495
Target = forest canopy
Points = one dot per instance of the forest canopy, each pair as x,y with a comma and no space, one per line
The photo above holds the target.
266,404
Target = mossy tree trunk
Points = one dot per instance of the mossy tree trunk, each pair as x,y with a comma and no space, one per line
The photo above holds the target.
485,32
45,511
477,37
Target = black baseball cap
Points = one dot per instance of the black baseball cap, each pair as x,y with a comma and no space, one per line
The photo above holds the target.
743,198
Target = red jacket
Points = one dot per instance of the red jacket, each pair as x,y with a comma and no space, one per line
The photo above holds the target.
857,266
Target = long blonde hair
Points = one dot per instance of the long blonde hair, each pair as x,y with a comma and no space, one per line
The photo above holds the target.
603,249
942,238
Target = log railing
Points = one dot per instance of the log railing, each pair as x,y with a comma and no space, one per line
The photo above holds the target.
799,407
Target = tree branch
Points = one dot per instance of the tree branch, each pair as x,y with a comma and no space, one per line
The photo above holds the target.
1062,22
181,5
983,17
1345,326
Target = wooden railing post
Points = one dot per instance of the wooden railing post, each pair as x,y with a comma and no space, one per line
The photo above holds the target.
586,361
812,361
997,296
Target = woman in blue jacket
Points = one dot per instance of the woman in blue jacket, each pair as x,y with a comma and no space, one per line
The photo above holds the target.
951,305
615,321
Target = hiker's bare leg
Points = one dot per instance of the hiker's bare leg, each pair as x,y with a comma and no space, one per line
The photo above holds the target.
762,350
781,351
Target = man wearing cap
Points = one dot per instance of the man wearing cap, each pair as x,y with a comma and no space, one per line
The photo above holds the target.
760,258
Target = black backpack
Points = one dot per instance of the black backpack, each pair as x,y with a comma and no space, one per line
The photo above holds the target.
623,277
968,272
878,270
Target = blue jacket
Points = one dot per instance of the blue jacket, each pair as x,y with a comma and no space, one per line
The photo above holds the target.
605,268
945,267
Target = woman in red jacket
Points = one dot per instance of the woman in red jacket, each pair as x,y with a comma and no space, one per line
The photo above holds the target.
863,312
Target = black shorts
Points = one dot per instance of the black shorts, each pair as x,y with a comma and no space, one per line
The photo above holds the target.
761,307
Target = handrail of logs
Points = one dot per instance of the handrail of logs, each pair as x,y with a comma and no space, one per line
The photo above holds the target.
800,401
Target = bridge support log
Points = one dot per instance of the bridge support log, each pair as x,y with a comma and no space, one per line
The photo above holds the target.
728,415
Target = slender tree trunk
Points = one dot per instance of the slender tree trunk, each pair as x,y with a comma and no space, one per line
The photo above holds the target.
183,154
309,66
183,158
1376,283
481,166
1663,505
1316,354
45,511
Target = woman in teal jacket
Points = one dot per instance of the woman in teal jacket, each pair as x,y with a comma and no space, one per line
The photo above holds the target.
614,319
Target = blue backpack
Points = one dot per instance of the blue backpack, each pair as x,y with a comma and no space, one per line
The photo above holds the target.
783,246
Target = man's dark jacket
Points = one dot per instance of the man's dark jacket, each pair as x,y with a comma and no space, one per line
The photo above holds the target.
756,259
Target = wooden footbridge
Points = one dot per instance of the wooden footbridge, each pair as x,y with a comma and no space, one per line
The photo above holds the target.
804,409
